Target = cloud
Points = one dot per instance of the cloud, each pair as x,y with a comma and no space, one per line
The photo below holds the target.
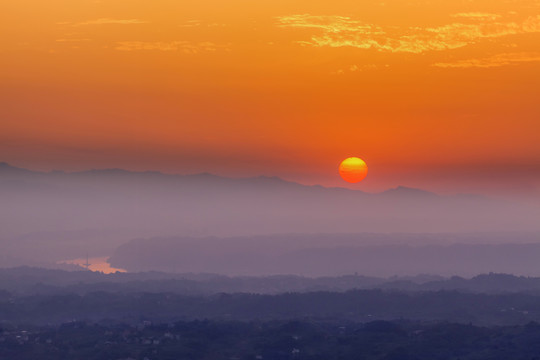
532,24
184,46
198,23
72,40
358,68
107,21
340,31
191,23
477,16
330,24
493,61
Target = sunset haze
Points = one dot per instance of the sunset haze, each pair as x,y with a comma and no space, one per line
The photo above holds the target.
439,95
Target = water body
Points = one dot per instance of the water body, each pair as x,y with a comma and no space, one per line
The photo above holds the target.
99,264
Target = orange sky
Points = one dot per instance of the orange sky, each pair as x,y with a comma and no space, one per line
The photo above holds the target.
442,95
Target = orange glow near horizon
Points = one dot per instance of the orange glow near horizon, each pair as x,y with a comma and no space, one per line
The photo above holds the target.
434,91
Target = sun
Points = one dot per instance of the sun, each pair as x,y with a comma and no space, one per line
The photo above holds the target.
353,169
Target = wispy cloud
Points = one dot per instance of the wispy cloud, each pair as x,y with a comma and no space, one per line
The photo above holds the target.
477,16
184,46
330,24
493,61
340,31
358,68
191,23
532,24
198,23
107,21
72,40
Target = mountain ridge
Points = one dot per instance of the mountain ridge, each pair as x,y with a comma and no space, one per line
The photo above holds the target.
399,190
118,205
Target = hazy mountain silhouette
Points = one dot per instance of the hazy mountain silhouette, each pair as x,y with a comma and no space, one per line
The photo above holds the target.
403,191
32,280
58,215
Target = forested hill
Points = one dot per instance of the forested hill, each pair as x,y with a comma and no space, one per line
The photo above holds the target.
24,281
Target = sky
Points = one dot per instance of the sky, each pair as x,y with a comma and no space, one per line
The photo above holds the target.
439,95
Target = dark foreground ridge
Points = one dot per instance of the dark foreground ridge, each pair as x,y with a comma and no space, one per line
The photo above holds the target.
53,314
271,340
354,305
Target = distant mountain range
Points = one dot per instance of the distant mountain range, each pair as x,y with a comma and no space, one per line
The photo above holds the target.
51,216
22,281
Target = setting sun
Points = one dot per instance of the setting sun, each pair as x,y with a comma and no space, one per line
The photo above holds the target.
353,169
